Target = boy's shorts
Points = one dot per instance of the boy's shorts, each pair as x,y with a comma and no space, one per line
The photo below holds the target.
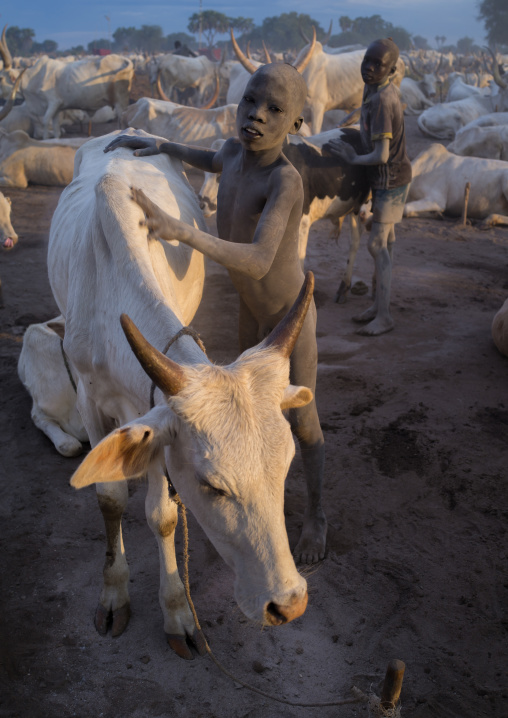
388,204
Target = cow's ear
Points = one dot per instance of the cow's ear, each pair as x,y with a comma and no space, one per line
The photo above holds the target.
127,452
295,397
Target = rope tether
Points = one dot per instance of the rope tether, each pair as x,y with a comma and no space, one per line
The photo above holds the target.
360,697
183,331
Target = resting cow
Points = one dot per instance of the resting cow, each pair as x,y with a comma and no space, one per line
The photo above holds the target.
218,431
48,377
439,179
25,161
475,141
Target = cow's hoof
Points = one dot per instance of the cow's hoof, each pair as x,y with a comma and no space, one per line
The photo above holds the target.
340,296
102,620
117,620
70,447
183,645
120,620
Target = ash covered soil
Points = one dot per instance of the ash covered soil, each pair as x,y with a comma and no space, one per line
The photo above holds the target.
416,429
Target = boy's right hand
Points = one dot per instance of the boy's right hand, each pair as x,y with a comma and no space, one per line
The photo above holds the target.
143,146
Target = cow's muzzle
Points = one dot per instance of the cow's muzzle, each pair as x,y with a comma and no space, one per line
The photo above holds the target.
277,614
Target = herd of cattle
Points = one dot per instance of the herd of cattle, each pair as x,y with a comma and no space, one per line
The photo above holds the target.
97,248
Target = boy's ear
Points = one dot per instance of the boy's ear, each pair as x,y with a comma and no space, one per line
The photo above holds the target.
296,126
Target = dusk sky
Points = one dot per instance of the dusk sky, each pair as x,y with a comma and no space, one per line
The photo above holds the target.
72,23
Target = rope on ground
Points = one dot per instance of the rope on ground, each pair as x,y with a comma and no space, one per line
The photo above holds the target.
359,696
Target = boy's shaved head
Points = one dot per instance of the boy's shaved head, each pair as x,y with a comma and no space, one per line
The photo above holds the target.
390,48
291,79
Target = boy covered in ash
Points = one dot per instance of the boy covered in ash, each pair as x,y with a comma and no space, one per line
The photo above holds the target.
259,208
389,169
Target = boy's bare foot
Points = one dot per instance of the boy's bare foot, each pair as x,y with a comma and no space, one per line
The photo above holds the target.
312,544
377,326
367,316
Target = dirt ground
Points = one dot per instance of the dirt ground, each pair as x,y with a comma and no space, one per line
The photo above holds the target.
416,427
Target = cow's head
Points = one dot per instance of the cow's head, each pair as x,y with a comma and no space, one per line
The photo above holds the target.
228,447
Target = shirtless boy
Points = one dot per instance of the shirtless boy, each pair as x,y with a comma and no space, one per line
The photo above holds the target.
259,208
384,144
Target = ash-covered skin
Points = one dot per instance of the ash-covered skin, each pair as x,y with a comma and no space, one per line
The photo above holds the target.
258,216
378,66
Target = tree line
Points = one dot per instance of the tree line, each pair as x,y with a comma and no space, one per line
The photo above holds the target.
282,32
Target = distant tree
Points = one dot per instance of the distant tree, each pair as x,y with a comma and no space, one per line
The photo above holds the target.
77,50
345,23
282,32
19,40
47,47
494,14
149,38
183,37
100,44
125,39
364,30
210,23
242,24
465,45
421,43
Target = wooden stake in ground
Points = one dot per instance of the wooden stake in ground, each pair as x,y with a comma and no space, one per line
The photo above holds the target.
466,202
392,685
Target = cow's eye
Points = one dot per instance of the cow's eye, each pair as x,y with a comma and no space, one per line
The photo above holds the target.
210,488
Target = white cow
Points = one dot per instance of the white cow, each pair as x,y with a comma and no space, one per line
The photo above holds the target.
179,123
51,86
49,379
459,89
8,237
20,118
500,329
443,121
184,73
413,97
25,161
474,141
335,82
219,431
439,179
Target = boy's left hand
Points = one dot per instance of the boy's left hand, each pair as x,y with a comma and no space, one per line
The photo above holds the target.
157,221
343,150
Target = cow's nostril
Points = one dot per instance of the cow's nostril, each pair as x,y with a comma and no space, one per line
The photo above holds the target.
276,617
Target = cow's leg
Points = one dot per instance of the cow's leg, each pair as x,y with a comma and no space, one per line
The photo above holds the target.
64,443
316,114
494,219
306,427
162,517
413,209
345,283
48,118
303,238
114,603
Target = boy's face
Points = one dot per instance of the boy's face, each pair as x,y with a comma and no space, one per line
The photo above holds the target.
377,65
267,112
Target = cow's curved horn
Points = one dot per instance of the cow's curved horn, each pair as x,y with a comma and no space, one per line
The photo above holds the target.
305,60
285,334
495,70
267,54
415,72
163,371
212,102
162,94
328,35
247,50
249,66
4,51
10,102
304,36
